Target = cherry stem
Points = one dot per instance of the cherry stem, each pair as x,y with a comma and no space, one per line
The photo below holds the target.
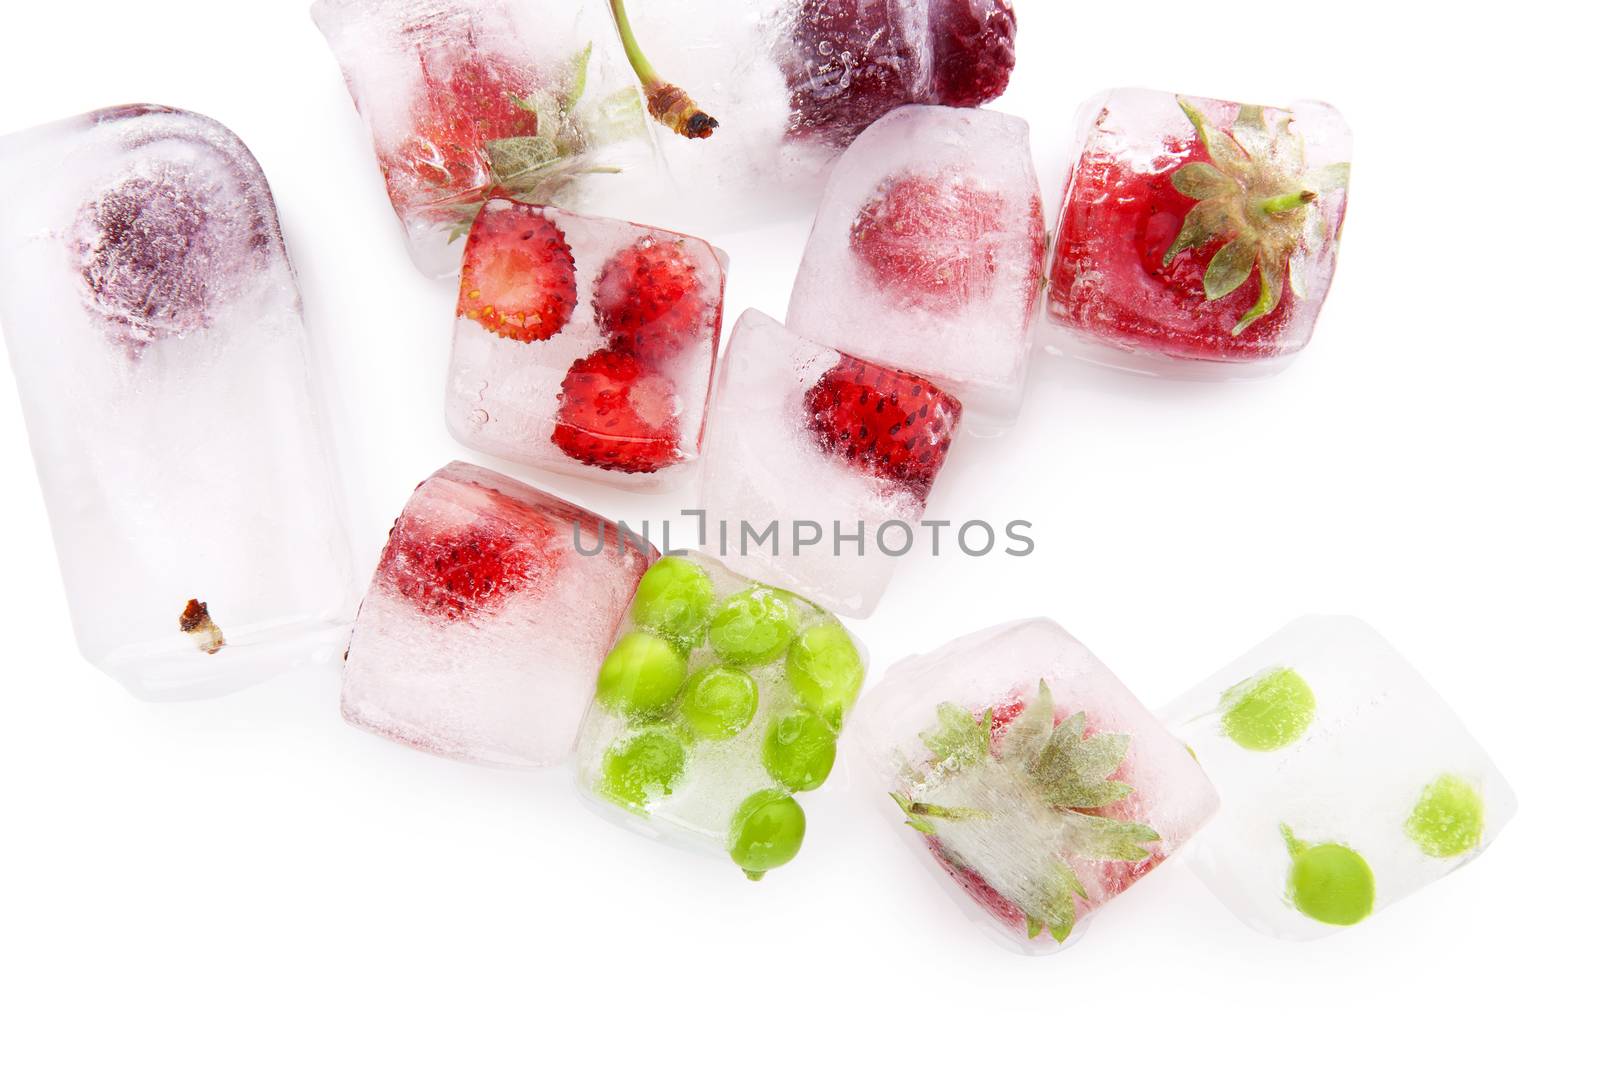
1277,205
668,104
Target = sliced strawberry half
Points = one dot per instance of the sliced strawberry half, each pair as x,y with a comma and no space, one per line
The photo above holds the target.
884,422
468,570
927,238
518,279
648,298
617,414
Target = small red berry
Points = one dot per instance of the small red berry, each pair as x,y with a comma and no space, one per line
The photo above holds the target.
618,415
648,297
518,279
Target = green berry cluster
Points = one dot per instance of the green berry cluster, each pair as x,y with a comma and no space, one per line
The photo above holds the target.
698,669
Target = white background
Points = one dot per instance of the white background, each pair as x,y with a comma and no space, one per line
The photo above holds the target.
249,879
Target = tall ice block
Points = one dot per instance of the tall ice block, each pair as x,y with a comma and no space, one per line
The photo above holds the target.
154,327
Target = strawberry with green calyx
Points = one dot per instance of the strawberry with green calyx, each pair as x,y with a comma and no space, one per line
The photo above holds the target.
668,104
1014,809
1255,195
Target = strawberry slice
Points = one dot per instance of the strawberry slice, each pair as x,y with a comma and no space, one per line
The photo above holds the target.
518,279
927,238
617,414
648,298
886,423
468,570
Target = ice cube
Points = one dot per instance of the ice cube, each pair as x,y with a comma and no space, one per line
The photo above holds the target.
1197,237
463,97
154,327
487,618
1346,781
720,700
584,345
792,82
927,254
1029,774
808,444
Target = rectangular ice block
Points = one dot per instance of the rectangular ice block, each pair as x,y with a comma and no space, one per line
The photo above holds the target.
1030,775
154,326
807,444
487,618
1346,781
463,97
584,345
1197,237
720,700
927,254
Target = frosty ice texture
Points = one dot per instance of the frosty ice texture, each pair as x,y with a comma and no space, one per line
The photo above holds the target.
484,624
612,383
720,700
154,326
926,253
1030,775
467,96
796,430
1197,236
1346,781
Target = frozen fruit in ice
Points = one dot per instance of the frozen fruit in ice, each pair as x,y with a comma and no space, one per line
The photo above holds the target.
975,886
1448,819
921,237
799,750
1328,882
1204,245
719,701
753,627
641,676
667,103
888,423
459,110
616,413
976,787
1269,711
826,671
643,768
518,279
766,832
674,599
469,569
974,49
648,298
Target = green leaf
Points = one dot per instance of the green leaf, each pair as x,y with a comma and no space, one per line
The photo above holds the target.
580,75
1035,928
1095,837
1025,736
1230,267
1202,181
1072,771
1270,269
515,160
917,823
1206,221
1058,896
1250,130
1224,151
961,740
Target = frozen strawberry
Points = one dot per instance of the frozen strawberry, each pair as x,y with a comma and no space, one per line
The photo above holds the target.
517,275
972,883
885,422
974,49
926,238
1202,245
617,414
648,298
468,570
459,110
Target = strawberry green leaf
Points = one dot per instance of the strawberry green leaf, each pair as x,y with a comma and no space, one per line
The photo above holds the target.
1230,267
1201,181
1072,771
916,822
1035,928
960,741
1025,736
1058,896
1270,269
1223,150
515,159
1095,837
1250,130
579,65
1206,221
